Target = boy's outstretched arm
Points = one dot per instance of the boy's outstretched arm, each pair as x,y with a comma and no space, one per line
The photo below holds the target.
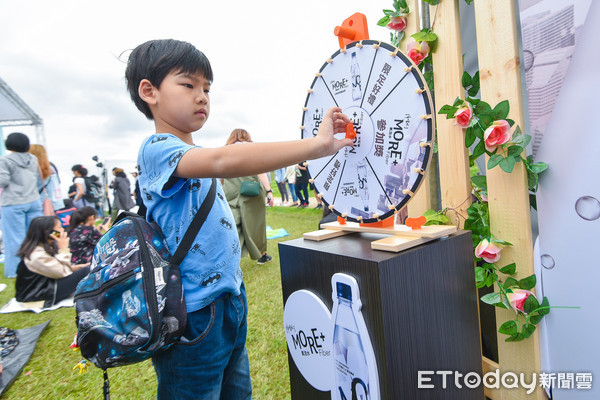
254,158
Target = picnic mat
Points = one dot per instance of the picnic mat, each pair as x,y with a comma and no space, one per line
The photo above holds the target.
276,233
14,362
36,306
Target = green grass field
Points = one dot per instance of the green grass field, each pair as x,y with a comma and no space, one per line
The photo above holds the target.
49,374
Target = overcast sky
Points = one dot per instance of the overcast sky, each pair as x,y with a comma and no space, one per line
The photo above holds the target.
65,59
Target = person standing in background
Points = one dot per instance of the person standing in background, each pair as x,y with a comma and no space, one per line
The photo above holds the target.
79,173
290,177
20,200
137,196
249,212
302,185
121,192
280,180
49,176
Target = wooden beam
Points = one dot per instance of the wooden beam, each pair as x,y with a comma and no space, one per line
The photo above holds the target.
421,201
412,23
455,181
510,219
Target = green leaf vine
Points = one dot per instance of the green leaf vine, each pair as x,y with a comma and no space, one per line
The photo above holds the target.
488,131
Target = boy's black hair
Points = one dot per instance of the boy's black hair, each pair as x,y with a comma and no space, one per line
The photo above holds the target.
155,59
17,142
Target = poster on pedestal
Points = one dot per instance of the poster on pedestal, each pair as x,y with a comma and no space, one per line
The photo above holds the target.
332,351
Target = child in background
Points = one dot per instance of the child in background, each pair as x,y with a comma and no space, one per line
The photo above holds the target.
169,82
83,234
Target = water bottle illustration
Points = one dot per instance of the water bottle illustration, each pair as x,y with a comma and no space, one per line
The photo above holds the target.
351,370
363,190
356,84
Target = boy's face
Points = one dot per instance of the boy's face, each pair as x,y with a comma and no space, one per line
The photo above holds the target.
181,104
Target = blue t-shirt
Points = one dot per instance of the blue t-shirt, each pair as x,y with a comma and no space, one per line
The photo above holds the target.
212,266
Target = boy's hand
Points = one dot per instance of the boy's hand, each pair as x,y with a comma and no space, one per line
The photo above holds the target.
333,122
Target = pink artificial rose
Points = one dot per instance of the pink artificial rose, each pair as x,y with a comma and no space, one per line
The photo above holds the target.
417,51
397,24
464,115
517,299
497,134
489,251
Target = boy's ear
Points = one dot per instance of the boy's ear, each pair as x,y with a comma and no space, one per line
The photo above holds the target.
147,92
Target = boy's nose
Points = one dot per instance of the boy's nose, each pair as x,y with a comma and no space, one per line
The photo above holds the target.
202,98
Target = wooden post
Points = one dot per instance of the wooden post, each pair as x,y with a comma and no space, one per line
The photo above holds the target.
412,23
455,181
510,220
421,202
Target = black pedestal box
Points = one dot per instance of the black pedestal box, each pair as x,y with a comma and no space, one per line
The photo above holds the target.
419,306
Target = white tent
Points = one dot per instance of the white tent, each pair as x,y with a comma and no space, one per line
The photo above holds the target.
14,112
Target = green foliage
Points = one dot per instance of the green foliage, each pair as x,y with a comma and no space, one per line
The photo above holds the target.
509,269
436,217
505,156
471,83
478,221
428,75
425,35
527,283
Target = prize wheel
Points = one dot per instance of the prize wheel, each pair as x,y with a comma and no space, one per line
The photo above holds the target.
386,98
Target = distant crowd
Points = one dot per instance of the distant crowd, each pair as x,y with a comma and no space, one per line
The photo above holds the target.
48,240
39,224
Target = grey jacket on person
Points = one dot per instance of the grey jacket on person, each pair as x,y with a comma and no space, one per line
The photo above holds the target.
122,193
20,178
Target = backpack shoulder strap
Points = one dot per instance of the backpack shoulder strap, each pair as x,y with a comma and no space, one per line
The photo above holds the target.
195,225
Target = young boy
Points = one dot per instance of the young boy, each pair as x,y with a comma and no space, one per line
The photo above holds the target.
169,82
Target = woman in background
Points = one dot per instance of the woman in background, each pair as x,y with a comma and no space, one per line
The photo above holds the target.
20,200
49,176
249,212
79,172
45,272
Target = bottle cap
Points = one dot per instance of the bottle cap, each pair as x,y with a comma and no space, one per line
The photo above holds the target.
344,291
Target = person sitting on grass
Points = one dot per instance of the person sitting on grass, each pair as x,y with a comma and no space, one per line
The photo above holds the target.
45,272
83,234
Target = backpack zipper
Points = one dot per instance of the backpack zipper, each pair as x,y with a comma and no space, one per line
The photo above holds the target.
104,286
149,283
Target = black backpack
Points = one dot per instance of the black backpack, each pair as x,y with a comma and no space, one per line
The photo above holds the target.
131,305
93,189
